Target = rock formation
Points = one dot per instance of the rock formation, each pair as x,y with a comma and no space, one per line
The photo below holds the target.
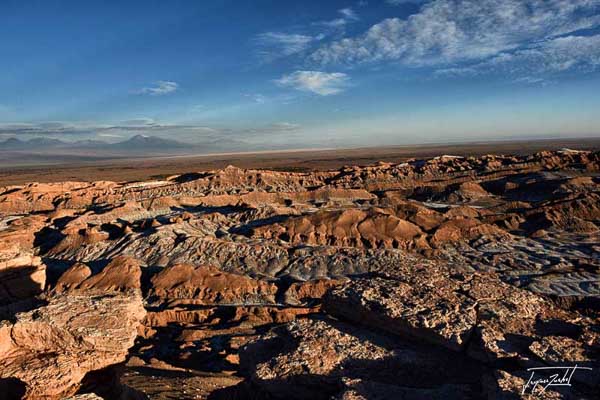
52,348
441,278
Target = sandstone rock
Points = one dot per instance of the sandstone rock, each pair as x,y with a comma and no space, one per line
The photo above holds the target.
121,274
52,348
86,396
72,278
432,309
356,389
249,315
208,285
302,292
311,358
464,229
21,278
371,229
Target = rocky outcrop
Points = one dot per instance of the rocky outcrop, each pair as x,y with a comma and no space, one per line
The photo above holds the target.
477,314
304,292
206,285
122,274
21,278
52,348
321,358
350,228
425,306
464,229
486,330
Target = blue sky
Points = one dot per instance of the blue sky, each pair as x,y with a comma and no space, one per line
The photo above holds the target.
300,73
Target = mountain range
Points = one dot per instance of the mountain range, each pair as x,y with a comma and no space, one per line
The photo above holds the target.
136,143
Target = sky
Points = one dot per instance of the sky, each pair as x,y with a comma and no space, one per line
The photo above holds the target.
300,74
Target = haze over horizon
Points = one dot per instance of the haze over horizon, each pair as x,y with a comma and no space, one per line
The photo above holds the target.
298,74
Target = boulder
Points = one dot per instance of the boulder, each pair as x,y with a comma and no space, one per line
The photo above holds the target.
121,274
429,309
52,348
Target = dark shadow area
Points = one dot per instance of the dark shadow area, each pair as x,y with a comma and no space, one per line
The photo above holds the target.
55,267
192,176
114,231
12,389
247,229
106,384
411,366
556,327
225,210
17,284
46,238
145,281
242,391
18,291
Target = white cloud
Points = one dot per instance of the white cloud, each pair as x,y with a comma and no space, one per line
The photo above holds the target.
159,88
321,83
139,122
285,126
275,45
570,53
347,15
450,31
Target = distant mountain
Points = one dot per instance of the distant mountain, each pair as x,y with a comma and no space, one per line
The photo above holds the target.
11,143
89,143
35,143
144,143
138,143
45,142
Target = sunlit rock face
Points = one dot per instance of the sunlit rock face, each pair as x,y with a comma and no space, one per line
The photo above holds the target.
440,278
52,348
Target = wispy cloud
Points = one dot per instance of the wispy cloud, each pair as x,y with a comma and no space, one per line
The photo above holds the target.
275,128
555,56
139,122
273,45
256,97
321,83
399,2
452,31
285,126
59,128
43,128
159,88
347,15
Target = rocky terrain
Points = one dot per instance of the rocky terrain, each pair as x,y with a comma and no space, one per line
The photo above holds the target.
443,278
